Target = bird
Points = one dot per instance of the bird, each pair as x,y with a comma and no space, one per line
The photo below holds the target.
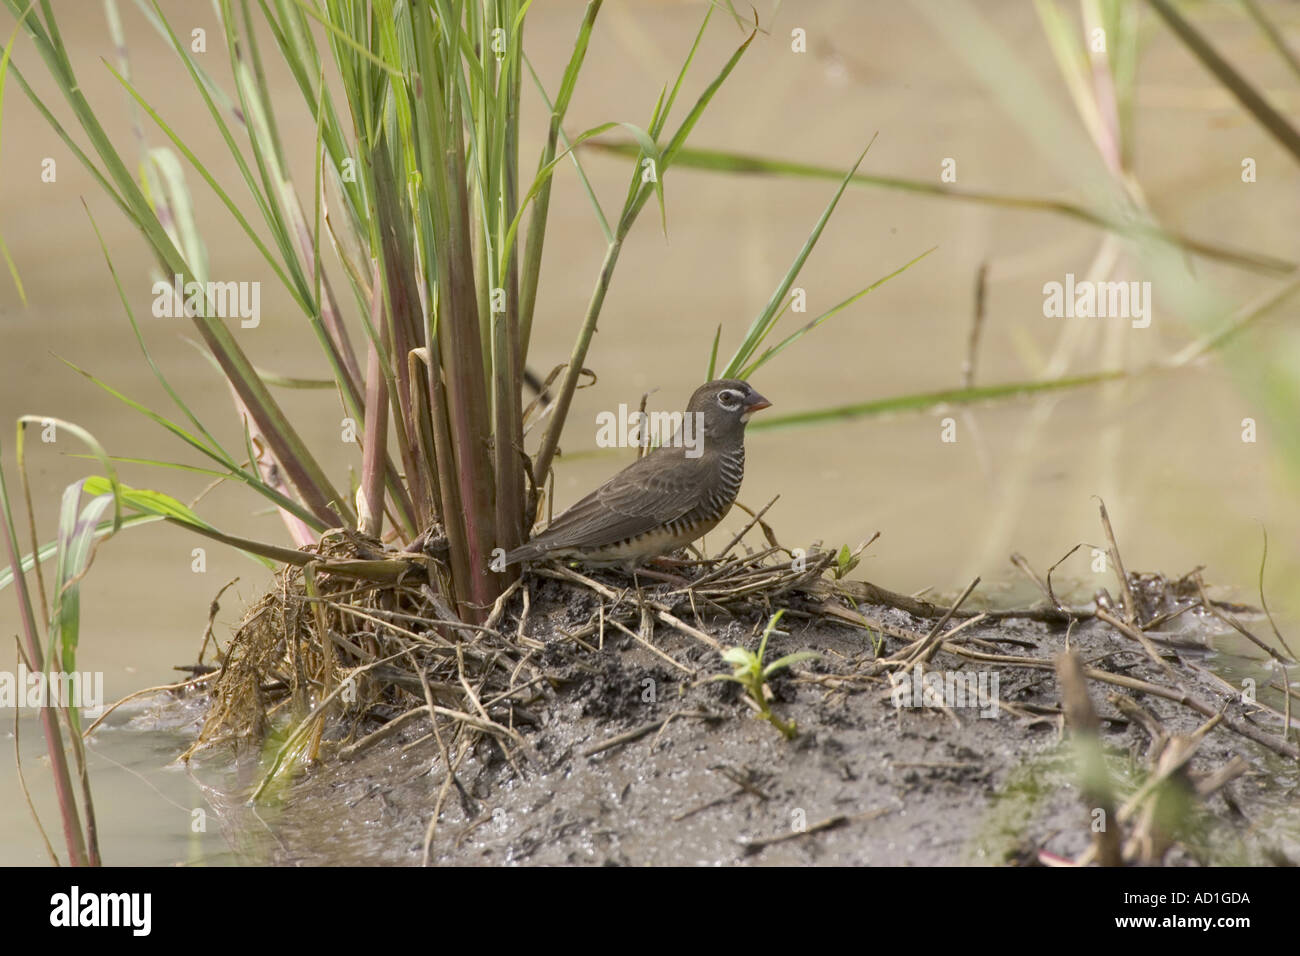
664,500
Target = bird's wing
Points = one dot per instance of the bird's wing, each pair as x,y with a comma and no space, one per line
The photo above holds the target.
650,492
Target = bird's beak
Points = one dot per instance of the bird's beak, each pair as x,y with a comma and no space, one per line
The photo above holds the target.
758,404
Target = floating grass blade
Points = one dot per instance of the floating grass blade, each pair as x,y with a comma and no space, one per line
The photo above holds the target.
924,401
725,161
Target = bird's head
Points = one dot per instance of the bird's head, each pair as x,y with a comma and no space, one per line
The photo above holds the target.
726,405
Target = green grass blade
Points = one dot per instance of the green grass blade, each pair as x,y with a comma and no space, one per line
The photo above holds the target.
290,381
49,549
661,115
925,401
713,160
182,226
147,501
650,151
4,70
783,662
76,539
88,440
713,353
86,162
13,271
763,323
541,182
163,506
160,463
4,58
139,338
216,454
535,242
577,162
342,37
770,353
678,142
631,209
767,632
234,210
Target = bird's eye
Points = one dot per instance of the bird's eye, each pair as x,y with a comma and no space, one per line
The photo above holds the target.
729,400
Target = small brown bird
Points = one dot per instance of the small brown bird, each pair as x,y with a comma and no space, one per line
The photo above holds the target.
665,500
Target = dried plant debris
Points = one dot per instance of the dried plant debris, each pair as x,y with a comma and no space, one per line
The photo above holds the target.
601,674
396,647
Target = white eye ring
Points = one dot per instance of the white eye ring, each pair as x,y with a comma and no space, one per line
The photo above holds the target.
729,394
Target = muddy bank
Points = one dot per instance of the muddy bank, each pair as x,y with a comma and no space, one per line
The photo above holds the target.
606,777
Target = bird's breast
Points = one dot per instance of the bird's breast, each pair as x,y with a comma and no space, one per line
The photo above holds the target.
725,487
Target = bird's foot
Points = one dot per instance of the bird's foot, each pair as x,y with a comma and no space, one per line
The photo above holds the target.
674,579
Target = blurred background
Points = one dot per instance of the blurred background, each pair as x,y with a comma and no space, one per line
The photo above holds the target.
975,83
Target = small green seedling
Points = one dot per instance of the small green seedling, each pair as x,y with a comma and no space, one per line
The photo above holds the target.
753,676
846,560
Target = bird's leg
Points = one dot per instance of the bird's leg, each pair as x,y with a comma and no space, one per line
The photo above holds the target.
636,584
638,570
673,579
667,569
647,626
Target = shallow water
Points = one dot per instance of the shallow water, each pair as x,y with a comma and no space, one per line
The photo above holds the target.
150,810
